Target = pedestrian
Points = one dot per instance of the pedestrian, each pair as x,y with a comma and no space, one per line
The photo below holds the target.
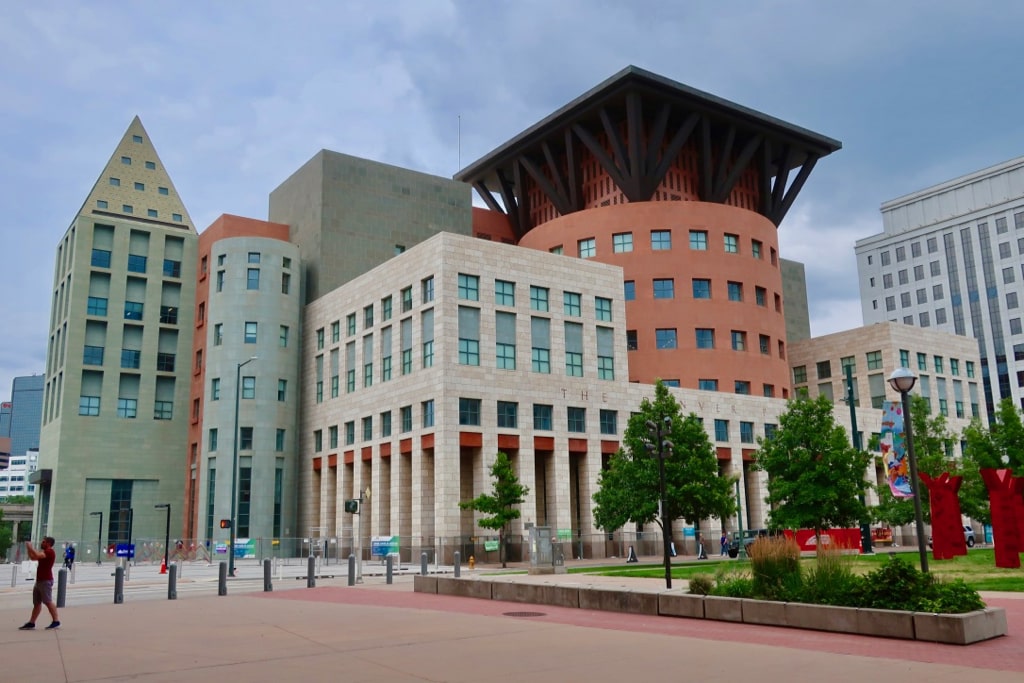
69,556
42,591
724,542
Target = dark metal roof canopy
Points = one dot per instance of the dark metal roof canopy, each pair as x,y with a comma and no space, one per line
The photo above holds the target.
729,138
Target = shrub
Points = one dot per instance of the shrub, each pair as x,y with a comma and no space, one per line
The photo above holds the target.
702,584
735,587
953,597
775,565
830,581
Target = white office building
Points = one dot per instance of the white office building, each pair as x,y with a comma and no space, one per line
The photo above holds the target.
951,257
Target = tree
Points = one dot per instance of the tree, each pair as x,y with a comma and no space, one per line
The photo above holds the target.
629,490
933,450
500,503
814,475
999,446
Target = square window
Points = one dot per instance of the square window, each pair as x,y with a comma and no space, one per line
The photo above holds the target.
665,338
469,287
504,293
622,242
739,340
732,244
699,240
661,240
162,190
151,165
735,291
705,338
587,248
127,161
508,414
542,416
609,422
707,384
576,421
115,182
136,138
427,287
664,288
141,187
603,309
571,303
538,298
469,412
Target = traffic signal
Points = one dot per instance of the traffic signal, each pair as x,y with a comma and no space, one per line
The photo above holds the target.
225,524
352,506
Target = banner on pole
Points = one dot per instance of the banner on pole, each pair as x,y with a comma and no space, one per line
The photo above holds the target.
894,449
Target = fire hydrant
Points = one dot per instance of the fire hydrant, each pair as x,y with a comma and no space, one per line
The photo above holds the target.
472,561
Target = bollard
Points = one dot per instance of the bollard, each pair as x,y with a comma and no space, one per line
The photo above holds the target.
62,587
390,569
72,579
118,585
351,570
172,582
14,575
458,567
311,573
222,578
423,564
267,585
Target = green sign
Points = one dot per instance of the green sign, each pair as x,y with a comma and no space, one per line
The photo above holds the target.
565,534
490,545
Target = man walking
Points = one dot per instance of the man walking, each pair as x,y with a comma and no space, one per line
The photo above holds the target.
42,591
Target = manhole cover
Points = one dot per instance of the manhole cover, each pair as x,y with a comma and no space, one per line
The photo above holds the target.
524,614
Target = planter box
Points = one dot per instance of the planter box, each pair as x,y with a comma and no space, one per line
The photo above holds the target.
957,629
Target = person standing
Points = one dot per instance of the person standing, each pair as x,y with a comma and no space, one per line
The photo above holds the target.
69,556
42,591
724,541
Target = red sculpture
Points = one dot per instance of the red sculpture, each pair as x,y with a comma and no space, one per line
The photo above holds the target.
947,529
1005,500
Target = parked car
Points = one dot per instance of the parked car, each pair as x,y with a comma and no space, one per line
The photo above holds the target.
968,536
747,537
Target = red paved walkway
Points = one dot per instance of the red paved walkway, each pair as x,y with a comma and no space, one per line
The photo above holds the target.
1000,654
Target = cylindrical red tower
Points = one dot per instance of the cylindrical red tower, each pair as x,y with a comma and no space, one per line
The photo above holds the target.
684,191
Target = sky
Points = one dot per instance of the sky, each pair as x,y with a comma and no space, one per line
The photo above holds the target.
236,96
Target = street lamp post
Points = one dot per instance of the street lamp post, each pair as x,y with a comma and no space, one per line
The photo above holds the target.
99,537
903,380
666,524
167,528
234,467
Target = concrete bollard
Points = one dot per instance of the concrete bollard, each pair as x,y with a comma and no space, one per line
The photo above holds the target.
118,585
458,565
14,575
268,585
72,577
351,570
172,582
222,578
390,569
423,564
311,573
62,587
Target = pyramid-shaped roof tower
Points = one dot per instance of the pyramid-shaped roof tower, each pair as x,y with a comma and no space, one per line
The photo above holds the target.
134,184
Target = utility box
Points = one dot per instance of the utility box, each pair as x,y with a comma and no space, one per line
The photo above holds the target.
544,556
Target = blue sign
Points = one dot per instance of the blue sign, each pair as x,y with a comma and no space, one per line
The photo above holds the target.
383,545
125,550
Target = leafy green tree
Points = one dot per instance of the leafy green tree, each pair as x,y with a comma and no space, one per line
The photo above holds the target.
999,446
500,503
629,490
933,450
814,475
20,500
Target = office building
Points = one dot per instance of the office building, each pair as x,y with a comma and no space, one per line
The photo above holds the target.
951,257
26,412
115,404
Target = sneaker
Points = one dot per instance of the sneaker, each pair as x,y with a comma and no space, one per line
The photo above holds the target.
27,626
53,625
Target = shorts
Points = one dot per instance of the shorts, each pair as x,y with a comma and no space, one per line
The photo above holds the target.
42,593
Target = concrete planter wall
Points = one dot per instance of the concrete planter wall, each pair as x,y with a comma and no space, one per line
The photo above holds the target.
956,629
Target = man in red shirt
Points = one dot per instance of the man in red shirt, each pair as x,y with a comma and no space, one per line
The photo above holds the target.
42,591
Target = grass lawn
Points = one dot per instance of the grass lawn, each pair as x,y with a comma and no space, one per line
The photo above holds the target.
977,569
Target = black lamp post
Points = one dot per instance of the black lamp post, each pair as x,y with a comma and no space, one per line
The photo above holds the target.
658,431
167,528
903,380
99,537
234,468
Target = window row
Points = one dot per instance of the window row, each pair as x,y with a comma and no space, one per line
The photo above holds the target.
874,362
701,288
661,240
247,389
89,406
246,439
932,243
706,338
386,308
137,263
540,297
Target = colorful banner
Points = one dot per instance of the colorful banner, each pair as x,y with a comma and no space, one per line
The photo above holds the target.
894,451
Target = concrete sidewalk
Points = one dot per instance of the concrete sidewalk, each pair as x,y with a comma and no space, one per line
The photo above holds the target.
377,632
